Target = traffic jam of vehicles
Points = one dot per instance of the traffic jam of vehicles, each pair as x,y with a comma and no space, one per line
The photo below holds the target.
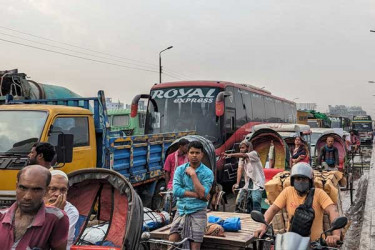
123,165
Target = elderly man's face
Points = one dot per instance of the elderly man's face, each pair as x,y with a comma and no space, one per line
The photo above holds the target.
58,186
31,188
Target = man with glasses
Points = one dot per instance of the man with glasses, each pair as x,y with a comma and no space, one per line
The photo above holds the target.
56,197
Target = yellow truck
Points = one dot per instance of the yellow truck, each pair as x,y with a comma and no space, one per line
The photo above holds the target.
80,130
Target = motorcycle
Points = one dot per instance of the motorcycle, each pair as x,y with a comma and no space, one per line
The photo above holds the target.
294,241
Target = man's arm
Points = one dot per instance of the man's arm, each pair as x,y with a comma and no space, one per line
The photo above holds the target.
268,216
237,155
198,187
331,210
178,190
167,177
320,157
239,174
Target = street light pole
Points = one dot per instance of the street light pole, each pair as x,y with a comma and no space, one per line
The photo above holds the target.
160,67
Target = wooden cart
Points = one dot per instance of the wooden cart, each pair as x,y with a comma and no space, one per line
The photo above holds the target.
240,240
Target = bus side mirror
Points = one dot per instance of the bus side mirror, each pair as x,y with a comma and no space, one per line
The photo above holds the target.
64,148
219,108
219,103
134,106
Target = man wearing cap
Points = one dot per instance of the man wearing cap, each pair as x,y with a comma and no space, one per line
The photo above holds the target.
56,197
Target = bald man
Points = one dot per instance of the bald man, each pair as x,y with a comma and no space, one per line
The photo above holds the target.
56,196
329,155
28,224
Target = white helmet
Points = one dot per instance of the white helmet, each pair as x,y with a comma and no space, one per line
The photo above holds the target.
302,169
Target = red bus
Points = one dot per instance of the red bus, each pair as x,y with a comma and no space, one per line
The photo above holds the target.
222,112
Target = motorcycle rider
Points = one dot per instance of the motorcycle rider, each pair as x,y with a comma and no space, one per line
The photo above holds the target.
295,195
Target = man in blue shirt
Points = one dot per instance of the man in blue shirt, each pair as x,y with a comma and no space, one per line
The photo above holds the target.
192,183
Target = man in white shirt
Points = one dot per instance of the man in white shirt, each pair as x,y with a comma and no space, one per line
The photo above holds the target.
254,175
56,196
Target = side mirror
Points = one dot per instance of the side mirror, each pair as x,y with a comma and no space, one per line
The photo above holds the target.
338,223
258,217
64,148
134,106
219,103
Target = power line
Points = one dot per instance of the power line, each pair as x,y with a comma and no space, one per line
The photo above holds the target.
75,51
75,46
176,77
178,74
170,72
80,57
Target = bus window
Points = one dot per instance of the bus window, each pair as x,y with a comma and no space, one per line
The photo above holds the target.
248,107
270,109
230,113
257,102
279,111
288,112
240,108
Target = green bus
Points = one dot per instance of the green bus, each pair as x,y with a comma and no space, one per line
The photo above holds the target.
120,120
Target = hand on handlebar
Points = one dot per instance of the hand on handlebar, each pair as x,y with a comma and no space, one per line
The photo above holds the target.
235,186
332,240
260,231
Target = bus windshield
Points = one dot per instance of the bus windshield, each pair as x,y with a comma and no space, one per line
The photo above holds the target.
19,130
362,126
184,109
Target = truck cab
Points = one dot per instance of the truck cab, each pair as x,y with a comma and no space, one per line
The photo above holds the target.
23,125
139,158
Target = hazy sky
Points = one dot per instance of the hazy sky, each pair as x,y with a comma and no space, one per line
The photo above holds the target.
318,51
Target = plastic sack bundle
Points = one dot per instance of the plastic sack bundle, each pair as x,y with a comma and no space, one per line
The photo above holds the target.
213,229
153,220
215,219
231,224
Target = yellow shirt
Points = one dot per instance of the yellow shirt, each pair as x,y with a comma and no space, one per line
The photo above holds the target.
290,200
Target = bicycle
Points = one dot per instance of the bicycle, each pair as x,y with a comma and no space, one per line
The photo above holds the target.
146,240
241,198
168,204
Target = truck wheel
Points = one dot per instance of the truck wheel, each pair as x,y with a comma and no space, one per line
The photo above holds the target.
157,199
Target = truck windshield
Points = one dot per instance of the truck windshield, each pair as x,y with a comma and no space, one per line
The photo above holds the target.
19,130
362,126
184,109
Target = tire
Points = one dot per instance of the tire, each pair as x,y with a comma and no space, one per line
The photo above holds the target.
157,199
